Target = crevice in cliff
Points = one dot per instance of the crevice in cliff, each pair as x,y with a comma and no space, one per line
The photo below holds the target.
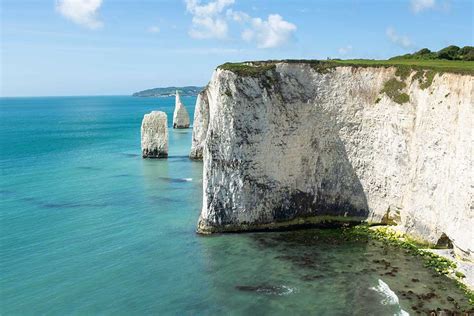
444,242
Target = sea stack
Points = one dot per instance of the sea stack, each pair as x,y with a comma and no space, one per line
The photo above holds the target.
181,115
155,135
201,122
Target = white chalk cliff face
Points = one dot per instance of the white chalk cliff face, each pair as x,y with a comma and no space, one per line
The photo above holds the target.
294,145
180,115
154,135
201,117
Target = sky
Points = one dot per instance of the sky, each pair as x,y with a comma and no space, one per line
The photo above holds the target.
117,47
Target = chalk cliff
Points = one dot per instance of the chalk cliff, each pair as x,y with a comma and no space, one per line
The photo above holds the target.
201,118
180,115
287,144
154,135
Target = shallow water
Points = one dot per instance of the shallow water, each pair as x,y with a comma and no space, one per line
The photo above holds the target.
87,226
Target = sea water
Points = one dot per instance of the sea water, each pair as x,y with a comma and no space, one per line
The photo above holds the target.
89,227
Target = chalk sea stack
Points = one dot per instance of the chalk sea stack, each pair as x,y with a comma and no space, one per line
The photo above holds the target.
154,135
181,115
300,143
201,119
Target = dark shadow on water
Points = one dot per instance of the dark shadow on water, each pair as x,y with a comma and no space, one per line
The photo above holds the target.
60,205
123,175
163,199
131,155
178,157
89,168
175,180
71,205
6,193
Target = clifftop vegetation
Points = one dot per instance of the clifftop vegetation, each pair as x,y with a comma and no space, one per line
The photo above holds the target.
450,59
448,53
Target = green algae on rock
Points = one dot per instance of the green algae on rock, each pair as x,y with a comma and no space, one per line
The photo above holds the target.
439,264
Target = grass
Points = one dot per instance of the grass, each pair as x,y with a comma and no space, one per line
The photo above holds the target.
392,88
247,69
454,66
256,68
428,79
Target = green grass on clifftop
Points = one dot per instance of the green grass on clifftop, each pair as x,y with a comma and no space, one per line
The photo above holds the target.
456,66
256,68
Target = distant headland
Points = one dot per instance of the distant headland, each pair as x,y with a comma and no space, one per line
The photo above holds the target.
169,91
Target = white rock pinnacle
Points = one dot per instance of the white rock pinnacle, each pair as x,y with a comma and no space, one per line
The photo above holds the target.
155,135
180,116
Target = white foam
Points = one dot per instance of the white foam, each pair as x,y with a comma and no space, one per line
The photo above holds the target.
287,290
389,297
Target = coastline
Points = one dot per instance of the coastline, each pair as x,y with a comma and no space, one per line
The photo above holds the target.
441,260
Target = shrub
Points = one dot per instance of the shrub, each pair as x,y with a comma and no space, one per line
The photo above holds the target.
423,51
450,53
392,88
467,53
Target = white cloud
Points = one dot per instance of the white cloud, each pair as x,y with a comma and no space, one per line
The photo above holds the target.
154,29
208,20
269,33
420,5
400,40
238,16
345,50
83,12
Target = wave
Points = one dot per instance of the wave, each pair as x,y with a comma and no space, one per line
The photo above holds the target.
389,297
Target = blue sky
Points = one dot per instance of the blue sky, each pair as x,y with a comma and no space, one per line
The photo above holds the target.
104,47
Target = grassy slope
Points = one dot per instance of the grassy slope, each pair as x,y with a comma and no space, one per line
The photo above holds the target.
259,67
456,66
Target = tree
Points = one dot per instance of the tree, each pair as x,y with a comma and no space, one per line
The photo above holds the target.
450,53
467,53
423,51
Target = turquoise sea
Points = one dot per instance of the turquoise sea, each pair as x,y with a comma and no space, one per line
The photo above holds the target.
89,227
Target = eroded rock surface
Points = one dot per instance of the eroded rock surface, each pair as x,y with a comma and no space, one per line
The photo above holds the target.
180,115
295,146
154,135
200,124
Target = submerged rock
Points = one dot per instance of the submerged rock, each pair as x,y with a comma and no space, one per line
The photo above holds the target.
266,289
154,133
181,115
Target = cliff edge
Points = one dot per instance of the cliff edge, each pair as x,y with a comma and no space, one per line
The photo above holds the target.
292,143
